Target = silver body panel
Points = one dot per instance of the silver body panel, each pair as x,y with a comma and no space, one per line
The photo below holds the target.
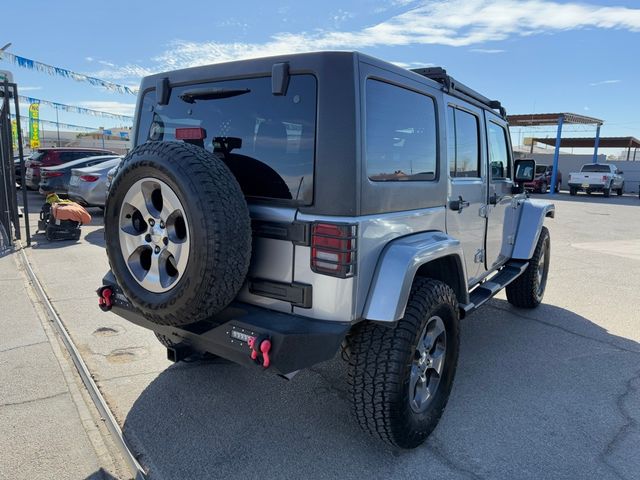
270,259
344,299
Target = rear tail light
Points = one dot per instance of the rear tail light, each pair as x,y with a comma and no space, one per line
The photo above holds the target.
88,178
190,133
46,174
605,178
333,249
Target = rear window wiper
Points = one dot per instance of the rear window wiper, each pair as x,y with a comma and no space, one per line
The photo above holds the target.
190,96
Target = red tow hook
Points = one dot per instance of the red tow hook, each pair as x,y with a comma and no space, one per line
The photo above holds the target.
260,347
104,298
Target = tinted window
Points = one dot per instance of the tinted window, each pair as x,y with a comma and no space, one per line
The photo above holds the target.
595,168
498,151
400,134
267,141
540,169
464,148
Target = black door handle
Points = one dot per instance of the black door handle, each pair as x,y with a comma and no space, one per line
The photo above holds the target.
459,204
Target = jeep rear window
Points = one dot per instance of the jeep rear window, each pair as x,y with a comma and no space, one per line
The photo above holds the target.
267,141
400,133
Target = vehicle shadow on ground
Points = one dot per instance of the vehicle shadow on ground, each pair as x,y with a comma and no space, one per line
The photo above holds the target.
96,237
534,397
595,198
40,242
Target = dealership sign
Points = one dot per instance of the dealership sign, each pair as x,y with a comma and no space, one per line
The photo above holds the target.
34,125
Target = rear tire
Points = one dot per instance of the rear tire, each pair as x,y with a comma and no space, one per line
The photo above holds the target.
527,290
397,392
573,191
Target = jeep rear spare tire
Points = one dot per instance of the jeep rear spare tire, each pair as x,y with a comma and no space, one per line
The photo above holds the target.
178,232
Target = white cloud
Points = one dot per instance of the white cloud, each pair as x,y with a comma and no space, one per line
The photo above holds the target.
487,50
604,82
89,59
413,64
29,89
119,108
456,23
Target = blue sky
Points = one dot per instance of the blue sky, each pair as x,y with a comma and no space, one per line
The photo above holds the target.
533,55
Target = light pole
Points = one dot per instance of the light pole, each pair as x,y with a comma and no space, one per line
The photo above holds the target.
4,48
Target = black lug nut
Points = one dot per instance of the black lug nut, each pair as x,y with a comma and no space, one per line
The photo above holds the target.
157,249
152,222
165,240
147,237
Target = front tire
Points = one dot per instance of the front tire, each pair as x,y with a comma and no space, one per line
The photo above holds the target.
573,191
527,290
607,192
620,190
400,377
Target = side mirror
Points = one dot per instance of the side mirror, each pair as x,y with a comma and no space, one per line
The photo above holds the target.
620,172
524,170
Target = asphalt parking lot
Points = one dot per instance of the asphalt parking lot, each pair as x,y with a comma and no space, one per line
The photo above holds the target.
546,393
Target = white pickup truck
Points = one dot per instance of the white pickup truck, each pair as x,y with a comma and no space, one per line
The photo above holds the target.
597,177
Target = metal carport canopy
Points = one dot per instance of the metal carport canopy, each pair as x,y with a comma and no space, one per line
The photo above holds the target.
540,119
589,142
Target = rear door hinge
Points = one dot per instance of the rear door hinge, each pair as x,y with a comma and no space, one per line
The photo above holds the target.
479,256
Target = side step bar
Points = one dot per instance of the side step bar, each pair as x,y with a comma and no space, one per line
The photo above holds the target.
486,290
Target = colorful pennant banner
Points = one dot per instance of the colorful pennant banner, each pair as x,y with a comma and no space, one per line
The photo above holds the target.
63,72
74,109
65,126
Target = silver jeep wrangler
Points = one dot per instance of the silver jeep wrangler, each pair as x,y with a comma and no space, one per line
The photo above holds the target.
276,209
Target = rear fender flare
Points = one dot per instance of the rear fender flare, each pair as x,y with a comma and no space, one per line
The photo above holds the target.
396,270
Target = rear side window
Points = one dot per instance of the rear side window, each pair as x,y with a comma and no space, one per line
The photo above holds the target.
69,156
596,168
267,141
463,143
498,152
400,133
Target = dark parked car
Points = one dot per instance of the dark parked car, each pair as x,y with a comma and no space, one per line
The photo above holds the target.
50,157
541,182
56,179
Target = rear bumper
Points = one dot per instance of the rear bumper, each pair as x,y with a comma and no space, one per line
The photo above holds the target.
296,342
593,187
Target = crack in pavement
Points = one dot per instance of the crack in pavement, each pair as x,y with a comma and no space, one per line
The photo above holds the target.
341,393
456,467
24,346
630,424
566,330
34,399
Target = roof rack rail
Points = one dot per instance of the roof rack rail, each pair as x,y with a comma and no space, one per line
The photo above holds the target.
452,86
